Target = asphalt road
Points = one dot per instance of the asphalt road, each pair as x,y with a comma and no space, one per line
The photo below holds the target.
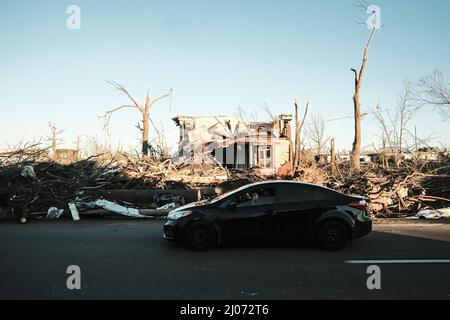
129,259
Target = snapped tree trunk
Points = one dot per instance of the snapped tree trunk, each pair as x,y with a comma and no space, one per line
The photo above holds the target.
356,150
54,138
298,130
333,158
297,137
144,110
385,160
145,123
53,142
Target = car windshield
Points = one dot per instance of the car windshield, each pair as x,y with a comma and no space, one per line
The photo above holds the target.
226,194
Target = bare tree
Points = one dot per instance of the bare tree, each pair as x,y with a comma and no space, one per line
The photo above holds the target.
316,134
94,146
242,115
268,112
34,145
434,89
54,138
405,111
144,110
383,152
255,114
394,122
356,150
386,128
78,139
163,150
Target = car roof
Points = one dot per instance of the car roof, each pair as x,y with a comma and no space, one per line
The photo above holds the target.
299,183
285,182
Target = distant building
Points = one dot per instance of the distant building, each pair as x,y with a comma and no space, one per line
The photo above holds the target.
237,144
392,154
343,158
428,154
66,156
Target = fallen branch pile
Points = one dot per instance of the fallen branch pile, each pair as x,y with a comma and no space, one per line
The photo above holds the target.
30,182
405,189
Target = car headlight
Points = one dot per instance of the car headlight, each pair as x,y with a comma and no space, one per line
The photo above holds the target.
174,215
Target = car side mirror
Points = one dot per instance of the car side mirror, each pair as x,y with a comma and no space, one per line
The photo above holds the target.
232,206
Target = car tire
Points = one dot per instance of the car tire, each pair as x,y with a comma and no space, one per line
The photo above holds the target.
199,236
332,235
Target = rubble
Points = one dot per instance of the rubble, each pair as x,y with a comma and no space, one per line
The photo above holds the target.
54,213
74,211
432,214
231,142
116,208
30,184
408,188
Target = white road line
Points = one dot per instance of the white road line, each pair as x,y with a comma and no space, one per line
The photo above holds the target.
399,261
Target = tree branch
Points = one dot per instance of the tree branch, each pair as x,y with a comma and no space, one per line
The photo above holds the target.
107,115
161,97
122,89
304,116
356,76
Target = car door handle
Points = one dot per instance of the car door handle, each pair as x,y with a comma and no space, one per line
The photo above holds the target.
269,212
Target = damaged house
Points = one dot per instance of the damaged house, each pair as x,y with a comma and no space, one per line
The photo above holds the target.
235,143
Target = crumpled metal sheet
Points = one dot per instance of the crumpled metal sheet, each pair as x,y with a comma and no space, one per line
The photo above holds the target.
28,171
213,129
116,208
433,214
74,211
54,213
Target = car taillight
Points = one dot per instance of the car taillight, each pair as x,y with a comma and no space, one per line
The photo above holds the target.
362,205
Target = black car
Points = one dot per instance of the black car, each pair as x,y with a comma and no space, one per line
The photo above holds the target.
271,211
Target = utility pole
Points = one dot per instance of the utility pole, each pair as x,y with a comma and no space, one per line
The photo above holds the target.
333,158
415,138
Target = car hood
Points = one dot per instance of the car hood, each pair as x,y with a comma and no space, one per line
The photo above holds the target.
359,197
188,206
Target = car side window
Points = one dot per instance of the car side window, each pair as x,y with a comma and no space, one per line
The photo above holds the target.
319,193
290,194
302,193
256,197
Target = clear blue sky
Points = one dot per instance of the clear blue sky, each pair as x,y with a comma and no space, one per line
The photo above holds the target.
216,55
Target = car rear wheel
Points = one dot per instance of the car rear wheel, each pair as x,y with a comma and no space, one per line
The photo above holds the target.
332,235
199,236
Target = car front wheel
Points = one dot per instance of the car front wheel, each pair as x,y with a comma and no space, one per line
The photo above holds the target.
332,235
199,236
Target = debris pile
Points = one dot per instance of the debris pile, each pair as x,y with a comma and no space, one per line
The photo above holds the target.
30,184
140,186
406,189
